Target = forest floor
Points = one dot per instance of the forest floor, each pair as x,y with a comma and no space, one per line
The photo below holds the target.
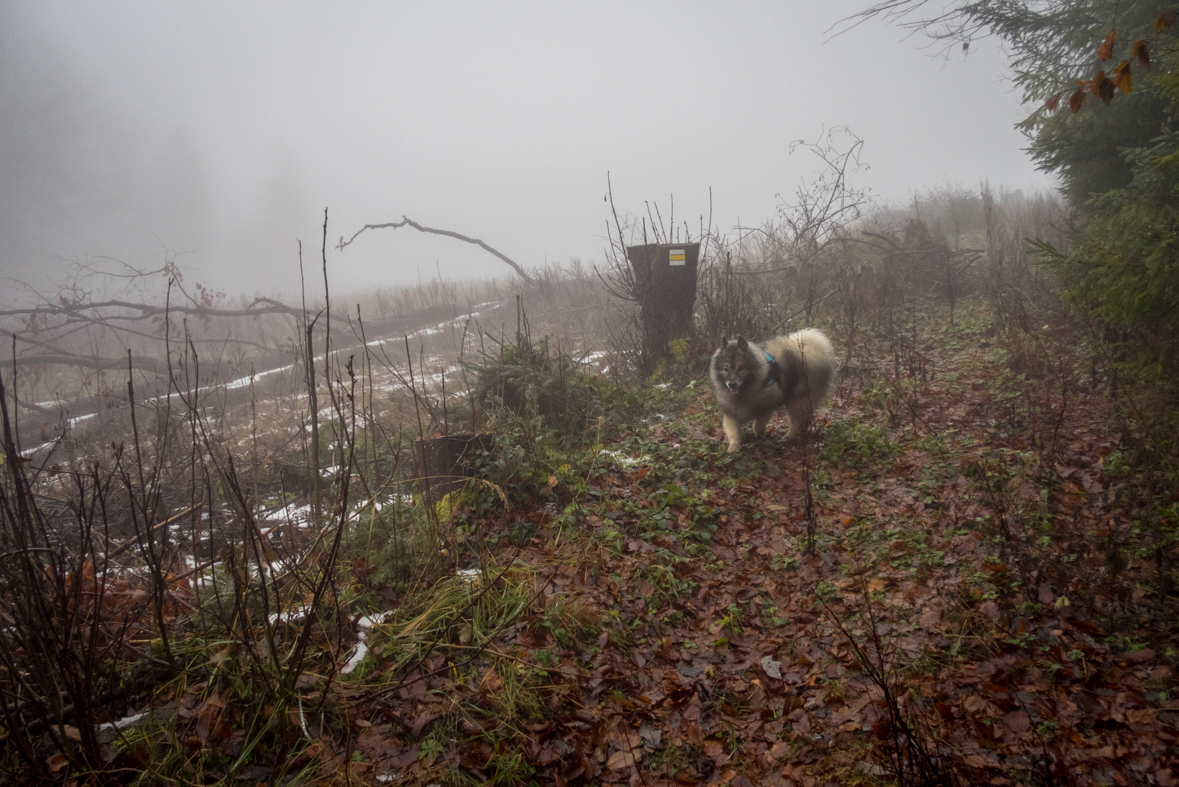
965,576
959,580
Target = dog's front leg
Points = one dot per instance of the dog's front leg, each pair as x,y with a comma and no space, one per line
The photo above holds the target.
733,433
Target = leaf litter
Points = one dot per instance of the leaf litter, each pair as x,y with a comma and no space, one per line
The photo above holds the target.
956,606
954,598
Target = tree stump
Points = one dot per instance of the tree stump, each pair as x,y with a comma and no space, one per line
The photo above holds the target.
665,285
447,461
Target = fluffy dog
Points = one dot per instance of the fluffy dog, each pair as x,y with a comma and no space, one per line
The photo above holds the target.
753,380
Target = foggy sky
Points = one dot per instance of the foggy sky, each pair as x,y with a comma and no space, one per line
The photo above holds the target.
221,130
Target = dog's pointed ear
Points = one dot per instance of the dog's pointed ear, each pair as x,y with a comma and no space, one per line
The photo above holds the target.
741,342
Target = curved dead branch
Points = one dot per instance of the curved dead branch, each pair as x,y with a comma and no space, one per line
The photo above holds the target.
407,222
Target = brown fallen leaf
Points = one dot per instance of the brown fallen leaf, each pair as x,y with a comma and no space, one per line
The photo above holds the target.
1017,722
1045,594
619,760
57,762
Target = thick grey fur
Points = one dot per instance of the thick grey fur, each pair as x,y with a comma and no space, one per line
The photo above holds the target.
739,371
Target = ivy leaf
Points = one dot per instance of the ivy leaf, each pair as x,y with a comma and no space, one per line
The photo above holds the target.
1105,51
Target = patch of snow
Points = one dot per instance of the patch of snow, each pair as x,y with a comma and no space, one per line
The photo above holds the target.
126,721
242,382
297,615
298,515
620,458
360,649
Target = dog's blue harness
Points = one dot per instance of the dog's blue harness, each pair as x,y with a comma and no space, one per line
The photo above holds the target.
775,371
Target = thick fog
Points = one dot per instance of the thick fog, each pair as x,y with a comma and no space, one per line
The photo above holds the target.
215,134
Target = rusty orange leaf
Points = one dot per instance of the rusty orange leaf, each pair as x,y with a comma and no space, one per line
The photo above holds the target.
1164,21
1121,77
1104,87
1139,52
1105,51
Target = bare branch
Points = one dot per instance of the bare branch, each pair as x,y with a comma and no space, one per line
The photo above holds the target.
406,222
827,206
139,362
1049,40
145,310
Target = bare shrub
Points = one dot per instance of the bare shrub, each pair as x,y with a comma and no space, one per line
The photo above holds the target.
727,302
